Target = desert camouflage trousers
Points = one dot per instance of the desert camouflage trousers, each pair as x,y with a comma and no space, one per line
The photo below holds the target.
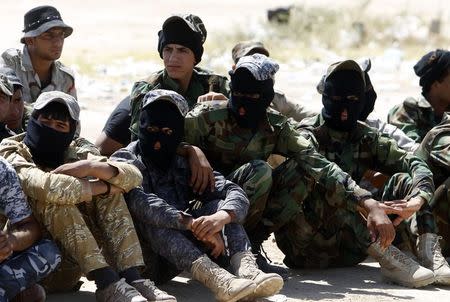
170,251
91,235
26,268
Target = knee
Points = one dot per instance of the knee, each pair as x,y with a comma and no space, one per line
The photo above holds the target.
262,170
48,250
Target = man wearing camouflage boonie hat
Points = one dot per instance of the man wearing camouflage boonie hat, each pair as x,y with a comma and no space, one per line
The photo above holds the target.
417,116
6,93
36,65
180,46
239,135
176,230
18,114
356,147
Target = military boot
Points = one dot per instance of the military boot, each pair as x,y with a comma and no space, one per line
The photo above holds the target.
257,237
399,268
430,256
225,286
244,266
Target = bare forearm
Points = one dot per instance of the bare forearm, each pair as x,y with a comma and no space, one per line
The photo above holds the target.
24,235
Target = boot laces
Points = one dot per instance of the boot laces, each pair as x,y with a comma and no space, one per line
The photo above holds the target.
438,258
125,289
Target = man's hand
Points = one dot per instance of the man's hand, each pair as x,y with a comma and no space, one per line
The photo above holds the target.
6,247
211,96
216,244
202,175
379,225
404,209
206,226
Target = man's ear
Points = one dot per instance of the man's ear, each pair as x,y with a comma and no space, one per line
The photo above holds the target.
29,41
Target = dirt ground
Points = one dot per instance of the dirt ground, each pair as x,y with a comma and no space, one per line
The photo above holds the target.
105,29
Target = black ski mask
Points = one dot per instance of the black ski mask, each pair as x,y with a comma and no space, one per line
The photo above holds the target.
370,96
47,145
343,92
243,82
155,117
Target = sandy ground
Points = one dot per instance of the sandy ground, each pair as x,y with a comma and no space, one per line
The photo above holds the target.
105,29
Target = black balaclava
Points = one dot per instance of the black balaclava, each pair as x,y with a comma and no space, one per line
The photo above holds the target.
343,90
47,145
370,96
242,81
160,114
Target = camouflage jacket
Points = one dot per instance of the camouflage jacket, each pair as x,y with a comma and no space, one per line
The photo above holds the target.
40,185
202,82
62,76
366,148
13,205
227,146
165,195
435,150
414,116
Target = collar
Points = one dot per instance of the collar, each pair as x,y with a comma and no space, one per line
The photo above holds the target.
27,65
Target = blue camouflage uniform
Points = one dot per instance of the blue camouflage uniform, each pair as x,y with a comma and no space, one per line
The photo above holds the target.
21,269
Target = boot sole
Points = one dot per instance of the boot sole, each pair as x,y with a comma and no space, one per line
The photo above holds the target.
245,292
415,284
442,281
268,288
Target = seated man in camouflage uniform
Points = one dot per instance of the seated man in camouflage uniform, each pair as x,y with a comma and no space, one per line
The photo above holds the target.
280,103
6,93
37,65
20,248
239,135
180,45
318,240
435,150
79,202
15,119
417,116
178,230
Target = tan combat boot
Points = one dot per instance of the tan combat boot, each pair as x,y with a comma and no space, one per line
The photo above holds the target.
430,256
399,268
244,266
225,286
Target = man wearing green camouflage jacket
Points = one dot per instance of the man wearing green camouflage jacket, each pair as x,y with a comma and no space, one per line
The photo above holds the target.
319,240
435,150
239,135
417,116
180,45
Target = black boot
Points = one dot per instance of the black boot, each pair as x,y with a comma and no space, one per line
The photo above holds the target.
257,237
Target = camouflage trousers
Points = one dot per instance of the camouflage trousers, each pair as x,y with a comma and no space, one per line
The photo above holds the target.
440,205
26,268
399,186
91,235
181,248
255,178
